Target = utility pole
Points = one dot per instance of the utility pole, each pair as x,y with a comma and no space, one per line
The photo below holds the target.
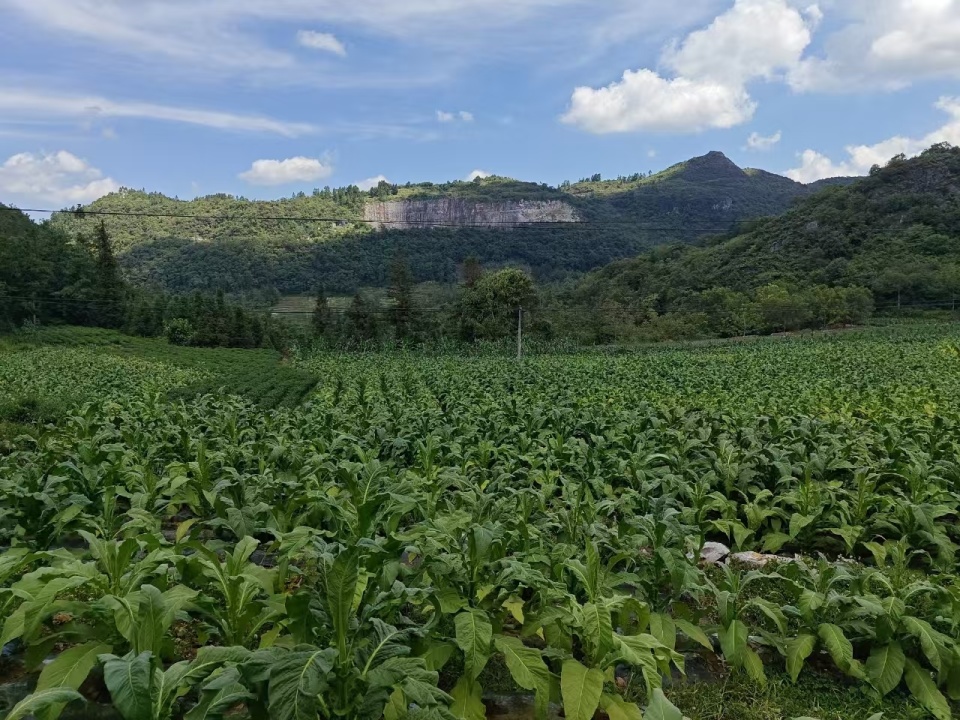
520,333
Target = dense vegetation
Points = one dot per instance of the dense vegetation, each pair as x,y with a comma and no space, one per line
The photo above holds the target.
423,532
238,245
894,233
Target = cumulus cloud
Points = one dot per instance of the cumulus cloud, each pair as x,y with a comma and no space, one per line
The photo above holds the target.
643,100
712,68
815,165
478,174
26,103
466,116
283,172
756,141
325,42
445,117
371,183
886,44
59,178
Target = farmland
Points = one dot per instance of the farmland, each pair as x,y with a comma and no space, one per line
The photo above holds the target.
205,533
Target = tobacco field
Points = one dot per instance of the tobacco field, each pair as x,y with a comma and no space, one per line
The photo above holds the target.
403,536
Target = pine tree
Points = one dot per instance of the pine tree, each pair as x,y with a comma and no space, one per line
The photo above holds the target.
109,289
322,320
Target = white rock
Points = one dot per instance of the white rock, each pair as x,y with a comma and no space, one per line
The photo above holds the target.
713,553
756,560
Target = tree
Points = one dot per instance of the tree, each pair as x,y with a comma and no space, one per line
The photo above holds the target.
322,319
361,319
109,288
489,309
401,293
472,270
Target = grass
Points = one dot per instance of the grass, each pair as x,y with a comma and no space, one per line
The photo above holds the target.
814,696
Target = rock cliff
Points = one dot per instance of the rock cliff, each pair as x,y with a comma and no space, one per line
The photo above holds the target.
400,214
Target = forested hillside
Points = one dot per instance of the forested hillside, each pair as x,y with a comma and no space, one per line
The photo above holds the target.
896,233
292,245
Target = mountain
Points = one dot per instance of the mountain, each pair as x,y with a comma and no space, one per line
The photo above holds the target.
896,232
345,238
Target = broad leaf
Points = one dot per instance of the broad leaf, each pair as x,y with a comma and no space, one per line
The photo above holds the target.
581,689
840,649
525,664
922,630
69,670
467,700
798,650
296,680
694,633
733,641
34,705
130,682
885,667
341,585
661,709
474,635
924,689
617,708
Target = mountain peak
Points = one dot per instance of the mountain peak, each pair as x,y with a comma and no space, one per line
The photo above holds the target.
712,166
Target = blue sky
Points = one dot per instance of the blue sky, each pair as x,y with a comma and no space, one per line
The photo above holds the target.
264,98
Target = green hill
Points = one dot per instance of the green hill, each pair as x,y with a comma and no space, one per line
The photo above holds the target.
241,245
896,232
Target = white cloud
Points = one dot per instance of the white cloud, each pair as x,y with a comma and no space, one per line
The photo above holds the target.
651,153
371,183
449,117
645,101
478,174
25,103
283,172
885,44
324,42
59,178
756,141
755,39
816,166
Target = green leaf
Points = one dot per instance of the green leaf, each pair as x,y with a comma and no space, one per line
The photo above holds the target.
799,522
840,649
598,628
661,709
296,681
467,700
694,633
617,708
798,650
925,690
753,666
69,670
774,542
36,703
733,641
923,631
581,689
341,586
474,635
130,682
525,664
149,628
218,695
885,667
662,627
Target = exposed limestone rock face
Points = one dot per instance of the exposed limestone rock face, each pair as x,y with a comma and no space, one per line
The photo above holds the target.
453,211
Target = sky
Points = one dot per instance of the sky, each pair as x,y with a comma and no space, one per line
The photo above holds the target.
265,98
